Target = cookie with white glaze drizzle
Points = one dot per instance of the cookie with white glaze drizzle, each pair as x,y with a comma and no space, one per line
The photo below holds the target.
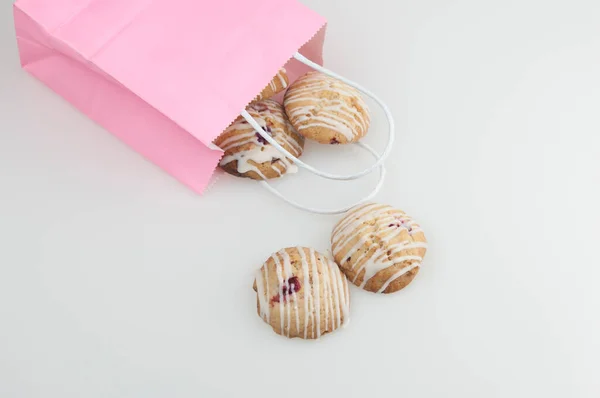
247,154
378,247
279,83
327,110
302,293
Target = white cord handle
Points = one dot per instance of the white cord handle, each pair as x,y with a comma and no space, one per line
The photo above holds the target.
336,211
380,159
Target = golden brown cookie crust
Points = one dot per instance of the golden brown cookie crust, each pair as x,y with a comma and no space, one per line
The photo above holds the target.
302,293
378,247
249,155
327,110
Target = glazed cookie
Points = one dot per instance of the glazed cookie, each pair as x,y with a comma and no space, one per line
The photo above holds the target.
302,293
279,83
326,110
379,248
248,154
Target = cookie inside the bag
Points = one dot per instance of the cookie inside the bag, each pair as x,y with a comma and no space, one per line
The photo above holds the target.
249,155
279,83
327,110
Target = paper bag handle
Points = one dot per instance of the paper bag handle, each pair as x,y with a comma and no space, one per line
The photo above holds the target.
298,162
343,209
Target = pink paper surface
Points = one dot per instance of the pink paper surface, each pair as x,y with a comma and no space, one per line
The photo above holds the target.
165,76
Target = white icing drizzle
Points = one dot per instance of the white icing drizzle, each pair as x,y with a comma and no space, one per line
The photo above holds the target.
258,151
280,277
334,113
308,293
288,273
330,283
316,282
377,256
329,297
336,298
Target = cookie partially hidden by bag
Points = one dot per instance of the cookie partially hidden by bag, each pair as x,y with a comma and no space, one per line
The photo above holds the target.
327,110
249,155
302,293
279,83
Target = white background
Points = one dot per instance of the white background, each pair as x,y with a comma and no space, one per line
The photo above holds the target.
116,281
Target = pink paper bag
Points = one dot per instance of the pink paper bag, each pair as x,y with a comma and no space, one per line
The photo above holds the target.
165,76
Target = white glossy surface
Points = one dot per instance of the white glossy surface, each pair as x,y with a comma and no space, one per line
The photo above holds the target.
116,281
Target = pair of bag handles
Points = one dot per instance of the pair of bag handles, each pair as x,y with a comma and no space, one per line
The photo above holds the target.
379,158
